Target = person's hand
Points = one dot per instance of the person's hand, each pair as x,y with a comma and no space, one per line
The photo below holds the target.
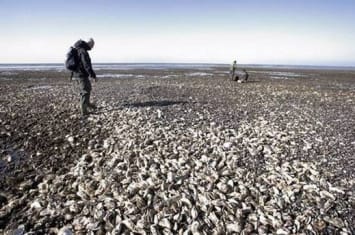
94,79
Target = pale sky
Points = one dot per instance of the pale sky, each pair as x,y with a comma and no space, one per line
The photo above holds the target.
306,32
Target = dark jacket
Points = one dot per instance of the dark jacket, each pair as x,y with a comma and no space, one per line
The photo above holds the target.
85,67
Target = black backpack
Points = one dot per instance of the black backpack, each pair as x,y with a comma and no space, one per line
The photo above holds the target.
72,60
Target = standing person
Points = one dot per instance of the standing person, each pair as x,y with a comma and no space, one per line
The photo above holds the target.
83,73
233,69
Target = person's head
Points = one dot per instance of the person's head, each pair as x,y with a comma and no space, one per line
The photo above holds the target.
234,62
91,43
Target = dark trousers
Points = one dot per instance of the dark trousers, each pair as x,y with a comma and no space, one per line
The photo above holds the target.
85,90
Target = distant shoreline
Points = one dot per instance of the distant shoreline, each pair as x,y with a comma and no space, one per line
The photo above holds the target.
117,66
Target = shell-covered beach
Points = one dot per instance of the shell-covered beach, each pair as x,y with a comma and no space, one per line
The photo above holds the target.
178,151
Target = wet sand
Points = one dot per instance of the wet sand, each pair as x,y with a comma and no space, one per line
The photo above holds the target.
42,133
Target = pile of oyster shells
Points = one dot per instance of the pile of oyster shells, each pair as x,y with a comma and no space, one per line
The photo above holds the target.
154,176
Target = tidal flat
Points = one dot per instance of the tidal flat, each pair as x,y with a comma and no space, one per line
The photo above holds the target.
178,151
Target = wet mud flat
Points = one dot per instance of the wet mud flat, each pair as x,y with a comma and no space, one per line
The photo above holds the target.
178,150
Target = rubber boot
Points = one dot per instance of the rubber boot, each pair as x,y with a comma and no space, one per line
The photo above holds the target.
84,104
84,110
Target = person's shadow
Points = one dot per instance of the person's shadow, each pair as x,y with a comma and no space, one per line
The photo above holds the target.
159,103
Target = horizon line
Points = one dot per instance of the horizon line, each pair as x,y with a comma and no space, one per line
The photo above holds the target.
187,63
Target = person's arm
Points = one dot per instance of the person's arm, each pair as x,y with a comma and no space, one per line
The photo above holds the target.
85,58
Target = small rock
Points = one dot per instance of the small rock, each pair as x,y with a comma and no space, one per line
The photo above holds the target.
36,205
19,231
68,217
65,231
9,158
70,139
160,113
227,145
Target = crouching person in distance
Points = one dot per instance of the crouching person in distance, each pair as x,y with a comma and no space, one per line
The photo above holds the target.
82,74
241,76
